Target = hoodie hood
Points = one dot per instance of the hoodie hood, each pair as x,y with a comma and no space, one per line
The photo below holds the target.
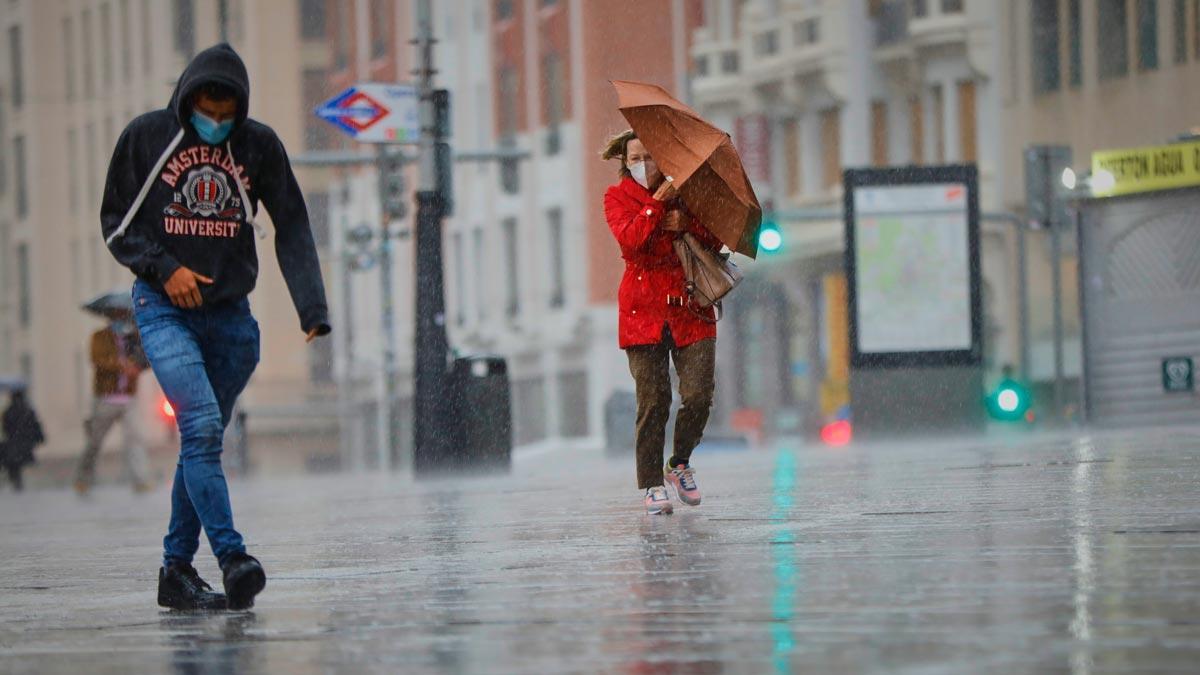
219,63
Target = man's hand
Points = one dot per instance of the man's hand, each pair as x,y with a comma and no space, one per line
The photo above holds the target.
183,288
665,191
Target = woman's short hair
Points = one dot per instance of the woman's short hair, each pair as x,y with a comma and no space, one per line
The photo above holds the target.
615,148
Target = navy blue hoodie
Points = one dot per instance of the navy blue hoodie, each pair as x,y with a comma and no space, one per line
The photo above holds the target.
194,213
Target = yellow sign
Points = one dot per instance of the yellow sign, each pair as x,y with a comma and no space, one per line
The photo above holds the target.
1163,167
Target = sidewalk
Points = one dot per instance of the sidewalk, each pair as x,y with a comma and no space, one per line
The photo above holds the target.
1077,554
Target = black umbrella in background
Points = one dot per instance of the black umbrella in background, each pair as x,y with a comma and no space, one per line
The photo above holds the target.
111,305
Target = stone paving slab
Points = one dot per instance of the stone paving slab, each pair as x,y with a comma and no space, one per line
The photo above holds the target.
1076,553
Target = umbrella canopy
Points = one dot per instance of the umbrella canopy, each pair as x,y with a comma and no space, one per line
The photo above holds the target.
11,383
700,159
112,305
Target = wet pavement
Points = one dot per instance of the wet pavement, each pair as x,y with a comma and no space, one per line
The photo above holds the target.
1072,554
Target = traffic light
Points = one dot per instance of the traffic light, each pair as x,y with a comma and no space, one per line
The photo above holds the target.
770,239
393,186
1009,401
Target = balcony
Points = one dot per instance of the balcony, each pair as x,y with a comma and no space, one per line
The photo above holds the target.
717,68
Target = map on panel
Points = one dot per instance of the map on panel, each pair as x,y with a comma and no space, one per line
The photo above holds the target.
912,272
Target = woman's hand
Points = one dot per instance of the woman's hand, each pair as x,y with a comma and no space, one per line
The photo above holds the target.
666,190
674,221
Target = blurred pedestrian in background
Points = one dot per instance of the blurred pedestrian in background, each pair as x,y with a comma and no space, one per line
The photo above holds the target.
22,433
656,323
117,361
178,210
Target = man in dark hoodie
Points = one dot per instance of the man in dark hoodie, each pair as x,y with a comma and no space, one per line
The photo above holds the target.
178,211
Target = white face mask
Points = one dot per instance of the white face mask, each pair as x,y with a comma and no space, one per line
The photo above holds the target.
638,171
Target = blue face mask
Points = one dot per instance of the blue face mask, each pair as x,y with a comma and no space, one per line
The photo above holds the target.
211,131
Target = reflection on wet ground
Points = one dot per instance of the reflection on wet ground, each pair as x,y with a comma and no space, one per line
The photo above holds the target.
1072,554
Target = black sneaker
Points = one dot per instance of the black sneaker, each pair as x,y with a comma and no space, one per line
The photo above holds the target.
244,579
180,587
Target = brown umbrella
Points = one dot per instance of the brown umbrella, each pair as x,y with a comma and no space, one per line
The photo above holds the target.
700,159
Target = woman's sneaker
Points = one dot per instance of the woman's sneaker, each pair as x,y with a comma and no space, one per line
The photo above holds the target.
683,480
658,502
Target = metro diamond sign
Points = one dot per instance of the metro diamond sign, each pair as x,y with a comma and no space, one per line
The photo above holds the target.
375,113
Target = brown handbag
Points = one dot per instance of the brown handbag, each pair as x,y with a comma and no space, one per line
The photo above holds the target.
710,276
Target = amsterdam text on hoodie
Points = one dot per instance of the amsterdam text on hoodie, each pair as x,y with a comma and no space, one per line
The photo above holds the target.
171,199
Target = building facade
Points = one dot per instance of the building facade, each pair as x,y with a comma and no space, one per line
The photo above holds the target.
75,72
531,267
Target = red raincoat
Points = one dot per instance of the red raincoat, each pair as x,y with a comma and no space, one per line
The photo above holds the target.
652,294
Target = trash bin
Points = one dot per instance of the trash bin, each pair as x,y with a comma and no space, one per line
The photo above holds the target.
481,414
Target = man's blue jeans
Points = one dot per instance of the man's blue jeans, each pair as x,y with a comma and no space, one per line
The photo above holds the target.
202,358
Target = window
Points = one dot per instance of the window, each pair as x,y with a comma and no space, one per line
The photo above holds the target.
791,157
3,169
185,32
831,147
312,19
1112,39
89,163
1196,28
512,302
558,286
68,36
1046,70
766,44
73,170
1147,27
1075,46
460,281
106,74
22,179
341,47
147,39
916,130
16,81
1179,25
477,269
939,125
508,102
952,6
920,9
381,28
317,133
573,404
223,19
554,101
24,287
317,202
126,43
729,61
967,126
700,66
807,32
504,10
89,82
879,133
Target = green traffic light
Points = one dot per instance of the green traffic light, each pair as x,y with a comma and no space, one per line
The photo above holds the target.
770,239
1009,401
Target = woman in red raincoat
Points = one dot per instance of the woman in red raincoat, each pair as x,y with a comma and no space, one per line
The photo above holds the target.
656,324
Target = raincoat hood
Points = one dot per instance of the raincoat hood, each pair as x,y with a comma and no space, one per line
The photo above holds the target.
221,64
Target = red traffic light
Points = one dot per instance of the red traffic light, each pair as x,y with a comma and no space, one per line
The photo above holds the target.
837,434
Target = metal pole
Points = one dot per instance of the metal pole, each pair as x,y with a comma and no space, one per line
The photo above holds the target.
1023,302
387,451
431,437
1056,284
